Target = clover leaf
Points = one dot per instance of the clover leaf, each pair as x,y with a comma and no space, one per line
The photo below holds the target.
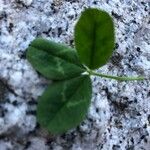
65,103
54,61
94,38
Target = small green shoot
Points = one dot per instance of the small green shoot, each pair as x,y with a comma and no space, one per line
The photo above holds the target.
65,103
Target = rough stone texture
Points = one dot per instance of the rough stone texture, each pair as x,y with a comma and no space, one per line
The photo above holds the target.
119,115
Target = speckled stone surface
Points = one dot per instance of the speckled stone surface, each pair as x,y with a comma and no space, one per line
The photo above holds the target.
119,115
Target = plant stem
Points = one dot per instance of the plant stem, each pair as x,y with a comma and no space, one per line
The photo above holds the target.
123,78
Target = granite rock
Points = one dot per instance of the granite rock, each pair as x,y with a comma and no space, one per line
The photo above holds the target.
119,115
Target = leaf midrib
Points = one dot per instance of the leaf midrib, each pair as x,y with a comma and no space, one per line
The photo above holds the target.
93,44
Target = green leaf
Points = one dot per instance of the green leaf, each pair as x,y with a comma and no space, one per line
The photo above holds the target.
64,104
54,61
94,38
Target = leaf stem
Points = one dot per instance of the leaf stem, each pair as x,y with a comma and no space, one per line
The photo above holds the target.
123,78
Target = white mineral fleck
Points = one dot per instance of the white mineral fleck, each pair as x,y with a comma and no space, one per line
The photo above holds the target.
38,143
27,2
15,115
